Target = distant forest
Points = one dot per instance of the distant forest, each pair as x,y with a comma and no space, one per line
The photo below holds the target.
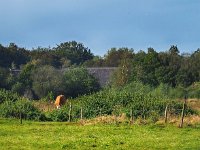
149,67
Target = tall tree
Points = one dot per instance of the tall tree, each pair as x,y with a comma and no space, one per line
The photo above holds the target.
76,52
46,79
114,56
145,67
13,55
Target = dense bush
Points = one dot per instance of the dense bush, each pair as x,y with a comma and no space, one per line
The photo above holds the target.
106,102
144,101
62,114
8,96
18,88
77,81
11,105
194,90
10,109
46,79
72,83
4,73
169,92
58,115
23,80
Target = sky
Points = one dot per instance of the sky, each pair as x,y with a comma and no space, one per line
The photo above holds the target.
102,24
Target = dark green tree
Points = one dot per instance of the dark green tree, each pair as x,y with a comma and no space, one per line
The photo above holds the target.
13,55
45,56
145,67
46,79
114,56
73,51
23,80
77,81
4,74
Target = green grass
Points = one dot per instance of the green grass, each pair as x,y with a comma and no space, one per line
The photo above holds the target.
55,135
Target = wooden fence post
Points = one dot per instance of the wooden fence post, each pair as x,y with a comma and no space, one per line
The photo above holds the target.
183,112
131,115
20,116
20,111
70,109
166,113
81,113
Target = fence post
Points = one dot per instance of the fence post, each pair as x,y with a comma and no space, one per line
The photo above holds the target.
20,111
70,109
81,113
20,116
166,113
183,112
116,121
131,114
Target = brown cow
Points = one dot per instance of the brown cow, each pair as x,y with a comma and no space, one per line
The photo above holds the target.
60,100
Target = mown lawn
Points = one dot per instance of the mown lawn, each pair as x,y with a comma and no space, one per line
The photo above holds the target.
53,135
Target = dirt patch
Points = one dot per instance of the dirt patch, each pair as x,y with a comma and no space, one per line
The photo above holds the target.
44,106
107,119
194,104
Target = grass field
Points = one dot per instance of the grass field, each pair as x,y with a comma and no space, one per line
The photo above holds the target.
55,135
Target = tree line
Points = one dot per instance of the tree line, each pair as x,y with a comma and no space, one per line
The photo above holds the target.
155,68
40,68
64,55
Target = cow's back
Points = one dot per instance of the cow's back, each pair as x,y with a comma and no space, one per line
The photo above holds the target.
60,100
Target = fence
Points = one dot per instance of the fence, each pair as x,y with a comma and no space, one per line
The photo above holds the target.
75,113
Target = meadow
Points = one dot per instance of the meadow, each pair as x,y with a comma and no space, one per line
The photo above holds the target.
64,135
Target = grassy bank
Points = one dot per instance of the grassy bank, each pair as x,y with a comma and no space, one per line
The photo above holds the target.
54,135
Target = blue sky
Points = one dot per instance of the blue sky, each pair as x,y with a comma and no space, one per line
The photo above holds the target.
102,24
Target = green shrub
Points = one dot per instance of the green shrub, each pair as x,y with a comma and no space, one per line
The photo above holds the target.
46,79
7,96
117,101
194,92
178,92
4,74
145,103
18,88
154,116
58,115
10,109
77,81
